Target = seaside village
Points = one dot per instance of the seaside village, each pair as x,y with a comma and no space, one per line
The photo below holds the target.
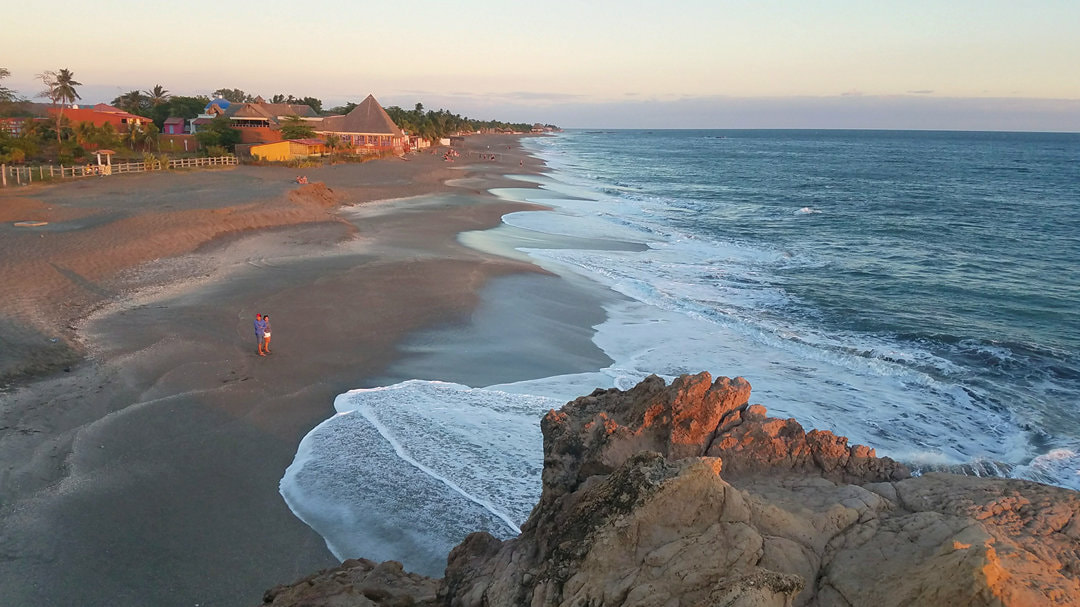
366,130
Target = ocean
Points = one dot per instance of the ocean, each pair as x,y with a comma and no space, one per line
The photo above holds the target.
913,291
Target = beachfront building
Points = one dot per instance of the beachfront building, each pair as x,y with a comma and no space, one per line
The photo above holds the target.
100,115
367,129
261,122
289,149
174,125
176,136
258,121
416,142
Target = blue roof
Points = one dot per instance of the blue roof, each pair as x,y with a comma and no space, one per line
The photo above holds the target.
221,103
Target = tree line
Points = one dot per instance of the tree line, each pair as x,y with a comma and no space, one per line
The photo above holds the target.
436,124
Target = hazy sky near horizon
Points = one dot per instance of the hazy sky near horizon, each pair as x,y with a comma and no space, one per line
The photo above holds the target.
726,64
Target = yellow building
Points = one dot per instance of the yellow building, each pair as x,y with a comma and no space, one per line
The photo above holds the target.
290,149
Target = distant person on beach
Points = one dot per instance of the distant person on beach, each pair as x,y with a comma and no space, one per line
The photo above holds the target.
260,331
266,332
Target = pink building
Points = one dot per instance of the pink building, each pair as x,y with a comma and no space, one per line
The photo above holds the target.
174,126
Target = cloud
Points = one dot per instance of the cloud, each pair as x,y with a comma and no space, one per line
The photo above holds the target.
921,92
545,97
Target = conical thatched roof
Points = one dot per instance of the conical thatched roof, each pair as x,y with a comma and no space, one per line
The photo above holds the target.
369,118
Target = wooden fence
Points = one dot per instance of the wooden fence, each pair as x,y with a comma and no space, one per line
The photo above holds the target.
20,175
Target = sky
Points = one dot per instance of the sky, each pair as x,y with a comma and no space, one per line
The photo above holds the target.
942,64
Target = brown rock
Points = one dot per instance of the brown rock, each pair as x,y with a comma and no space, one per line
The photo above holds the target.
596,433
686,495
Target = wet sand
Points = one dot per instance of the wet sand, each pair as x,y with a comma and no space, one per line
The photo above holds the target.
147,473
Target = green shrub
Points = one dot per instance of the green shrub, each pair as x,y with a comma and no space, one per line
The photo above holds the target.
14,155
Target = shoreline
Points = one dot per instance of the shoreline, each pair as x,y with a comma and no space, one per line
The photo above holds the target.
149,472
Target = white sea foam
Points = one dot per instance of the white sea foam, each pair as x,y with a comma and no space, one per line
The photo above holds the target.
1058,467
405,472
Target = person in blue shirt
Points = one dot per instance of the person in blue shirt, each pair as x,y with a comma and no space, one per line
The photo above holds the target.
260,333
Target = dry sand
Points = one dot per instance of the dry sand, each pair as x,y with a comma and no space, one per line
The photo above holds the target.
147,472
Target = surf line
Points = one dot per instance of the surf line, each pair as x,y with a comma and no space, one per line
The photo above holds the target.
365,411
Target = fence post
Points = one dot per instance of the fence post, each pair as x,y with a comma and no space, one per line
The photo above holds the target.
3,174
18,175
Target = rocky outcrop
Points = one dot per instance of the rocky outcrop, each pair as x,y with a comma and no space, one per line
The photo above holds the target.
687,495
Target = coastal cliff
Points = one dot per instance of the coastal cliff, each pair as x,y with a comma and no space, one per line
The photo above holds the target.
688,495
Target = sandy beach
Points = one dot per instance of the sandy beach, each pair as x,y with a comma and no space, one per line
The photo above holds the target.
141,437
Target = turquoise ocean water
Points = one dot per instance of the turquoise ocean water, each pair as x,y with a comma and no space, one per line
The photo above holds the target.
914,291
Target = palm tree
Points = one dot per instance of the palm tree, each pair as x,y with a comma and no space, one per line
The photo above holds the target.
60,89
295,127
148,135
130,101
6,94
157,95
85,132
108,137
333,142
142,134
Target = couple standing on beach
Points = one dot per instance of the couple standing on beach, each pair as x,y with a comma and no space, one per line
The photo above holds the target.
262,333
